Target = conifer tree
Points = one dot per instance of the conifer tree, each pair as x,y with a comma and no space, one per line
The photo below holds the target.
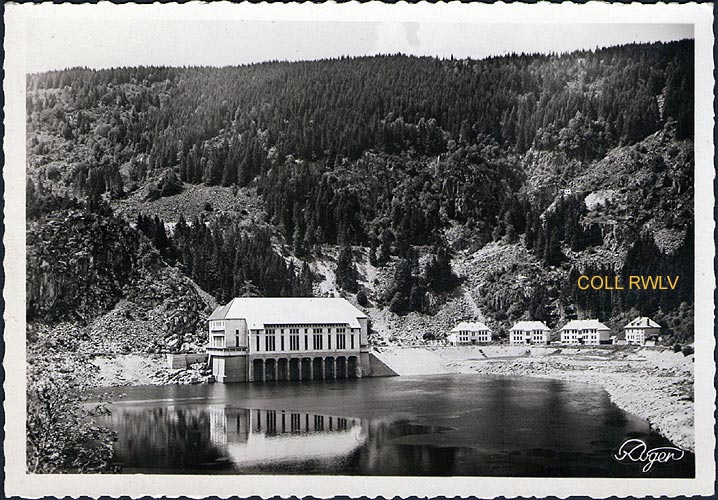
346,274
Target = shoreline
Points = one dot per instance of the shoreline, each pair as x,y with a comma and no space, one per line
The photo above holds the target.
651,383
125,370
654,384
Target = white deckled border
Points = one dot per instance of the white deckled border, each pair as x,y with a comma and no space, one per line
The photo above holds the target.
18,482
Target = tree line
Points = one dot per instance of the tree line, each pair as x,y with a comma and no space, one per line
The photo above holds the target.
226,261
229,125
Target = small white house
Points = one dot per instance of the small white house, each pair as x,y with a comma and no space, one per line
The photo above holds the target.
640,329
585,331
529,332
470,333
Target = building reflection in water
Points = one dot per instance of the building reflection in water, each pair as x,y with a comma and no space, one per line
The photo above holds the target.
194,438
252,437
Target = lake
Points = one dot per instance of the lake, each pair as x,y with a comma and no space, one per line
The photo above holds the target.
442,425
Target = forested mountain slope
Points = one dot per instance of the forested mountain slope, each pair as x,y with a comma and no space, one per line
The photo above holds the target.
91,270
408,167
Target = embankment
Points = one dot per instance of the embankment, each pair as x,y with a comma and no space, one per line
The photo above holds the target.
146,369
377,368
652,383
412,361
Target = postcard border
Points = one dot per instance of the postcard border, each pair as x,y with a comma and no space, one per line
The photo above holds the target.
18,482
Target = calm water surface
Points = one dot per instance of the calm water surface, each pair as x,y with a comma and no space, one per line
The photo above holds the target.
429,425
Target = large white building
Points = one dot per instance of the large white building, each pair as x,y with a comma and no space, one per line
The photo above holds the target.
288,338
638,330
585,331
470,333
529,332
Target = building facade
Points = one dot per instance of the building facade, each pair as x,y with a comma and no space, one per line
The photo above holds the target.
585,331
640,329
289,338
469,333
529,332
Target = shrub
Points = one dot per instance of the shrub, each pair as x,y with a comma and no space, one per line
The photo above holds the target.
53,173
346,274
687,350
677,348
170,183
398,304
362,298
61,435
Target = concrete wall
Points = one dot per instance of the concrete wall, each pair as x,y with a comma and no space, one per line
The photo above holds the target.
364,334
377,368
231,327
182,361
235,369
229,369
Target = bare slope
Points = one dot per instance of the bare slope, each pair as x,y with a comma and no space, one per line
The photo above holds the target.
195,199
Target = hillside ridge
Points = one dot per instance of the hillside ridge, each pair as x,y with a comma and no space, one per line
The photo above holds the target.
426,191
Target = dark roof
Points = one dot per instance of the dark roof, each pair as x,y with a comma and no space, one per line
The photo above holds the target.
219,313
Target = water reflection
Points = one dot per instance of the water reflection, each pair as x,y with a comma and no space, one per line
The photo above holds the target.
255,437
164,438
441,426
219,436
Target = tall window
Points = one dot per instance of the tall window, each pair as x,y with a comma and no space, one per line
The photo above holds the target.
294,339
257,341
317,339
341,338
351,338
236,337
306,339
270,343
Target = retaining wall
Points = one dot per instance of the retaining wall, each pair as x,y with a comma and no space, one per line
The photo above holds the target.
182,361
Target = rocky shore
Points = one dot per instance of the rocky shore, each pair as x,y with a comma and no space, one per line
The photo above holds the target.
145,369
652,383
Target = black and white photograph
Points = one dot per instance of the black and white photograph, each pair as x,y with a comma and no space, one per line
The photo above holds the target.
361,248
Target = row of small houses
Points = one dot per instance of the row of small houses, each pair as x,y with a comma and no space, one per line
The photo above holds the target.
640,331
